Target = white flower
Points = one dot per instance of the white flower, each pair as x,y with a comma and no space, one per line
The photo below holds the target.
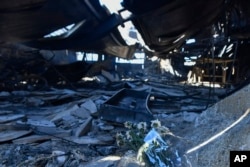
142,126
155,123
128,135
128,125
119,139
119,136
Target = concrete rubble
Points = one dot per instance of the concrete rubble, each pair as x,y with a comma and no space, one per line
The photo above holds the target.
126,83
61,127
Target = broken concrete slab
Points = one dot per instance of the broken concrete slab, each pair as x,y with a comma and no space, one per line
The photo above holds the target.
89,140
53,131
81,112
90,106
65,113
13,126
9,135
32,139
84,128
38,122
10,117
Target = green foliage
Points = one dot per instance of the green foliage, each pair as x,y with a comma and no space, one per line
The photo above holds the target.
133,137
154,151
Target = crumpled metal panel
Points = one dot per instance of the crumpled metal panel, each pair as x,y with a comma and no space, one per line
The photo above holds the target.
165,25
127,105
28,21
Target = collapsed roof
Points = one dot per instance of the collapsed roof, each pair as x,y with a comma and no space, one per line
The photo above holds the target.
88,26
83,25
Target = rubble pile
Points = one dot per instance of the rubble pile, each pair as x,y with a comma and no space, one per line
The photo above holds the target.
65,127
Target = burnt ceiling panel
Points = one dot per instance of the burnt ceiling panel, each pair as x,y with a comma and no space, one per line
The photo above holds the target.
164,25
26,21
167,25
86,26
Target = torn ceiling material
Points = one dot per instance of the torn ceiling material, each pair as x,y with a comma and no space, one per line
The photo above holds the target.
76,25
165,25
88,26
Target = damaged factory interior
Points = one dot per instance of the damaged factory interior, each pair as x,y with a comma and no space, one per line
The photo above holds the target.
124,83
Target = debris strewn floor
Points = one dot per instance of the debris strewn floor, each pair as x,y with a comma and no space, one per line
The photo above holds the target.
62,127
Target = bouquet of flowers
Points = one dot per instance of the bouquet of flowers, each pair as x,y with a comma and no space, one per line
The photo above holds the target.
147,141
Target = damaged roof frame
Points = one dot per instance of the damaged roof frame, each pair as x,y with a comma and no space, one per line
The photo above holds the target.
94,28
